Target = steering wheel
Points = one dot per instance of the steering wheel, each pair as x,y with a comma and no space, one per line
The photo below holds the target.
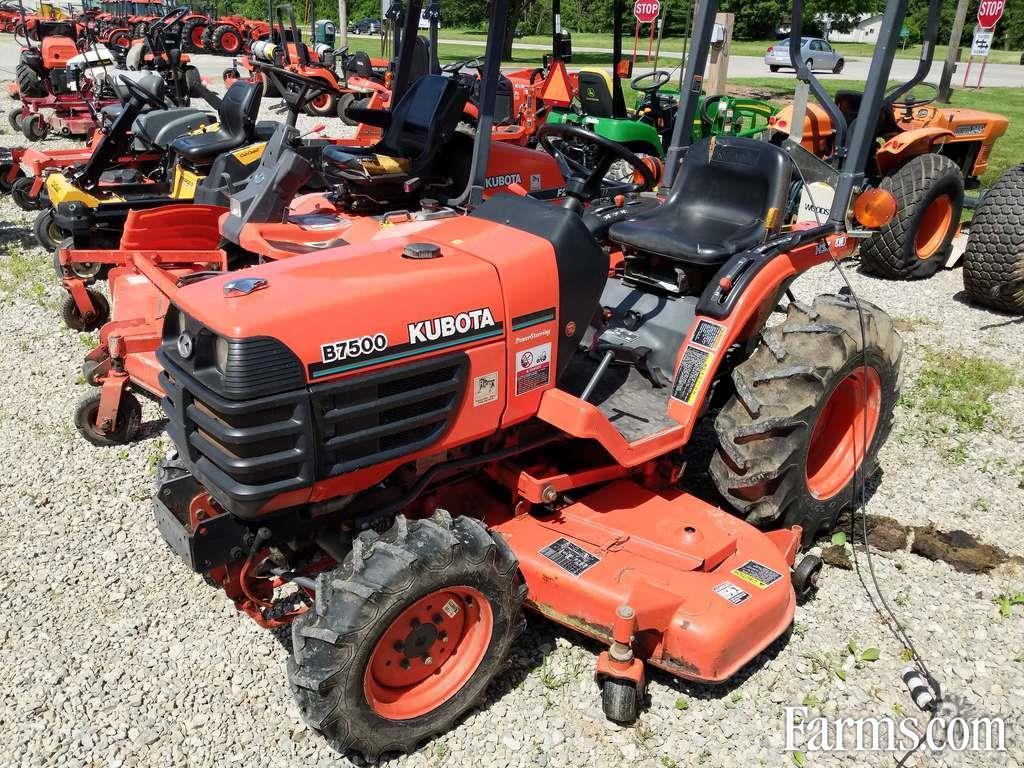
309,87
454,67
910,102
705,113
142,94
585,183
658,78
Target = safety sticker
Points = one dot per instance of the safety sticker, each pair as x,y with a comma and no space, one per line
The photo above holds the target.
533,368
708,334
485,389
732,593
569,557
692,370
451,608
761,576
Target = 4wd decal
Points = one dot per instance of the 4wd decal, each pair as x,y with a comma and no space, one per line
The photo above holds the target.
424,336
504,180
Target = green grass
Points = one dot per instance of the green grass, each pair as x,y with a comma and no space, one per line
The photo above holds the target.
958,389
25,274
738,48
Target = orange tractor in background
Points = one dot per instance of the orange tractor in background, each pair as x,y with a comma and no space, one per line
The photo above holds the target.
926,155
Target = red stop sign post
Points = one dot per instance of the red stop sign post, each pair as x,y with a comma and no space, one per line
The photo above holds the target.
989,12
646,12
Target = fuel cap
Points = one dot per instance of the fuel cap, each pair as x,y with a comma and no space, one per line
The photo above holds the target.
421,251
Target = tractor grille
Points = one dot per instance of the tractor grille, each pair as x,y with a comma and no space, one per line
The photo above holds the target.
246,451
369,419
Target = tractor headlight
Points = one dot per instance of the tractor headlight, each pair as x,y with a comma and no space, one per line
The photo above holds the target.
220,354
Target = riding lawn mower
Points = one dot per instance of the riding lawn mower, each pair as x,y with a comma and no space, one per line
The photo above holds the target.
395,445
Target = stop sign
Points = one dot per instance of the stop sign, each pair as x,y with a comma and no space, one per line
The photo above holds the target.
646,11
989,12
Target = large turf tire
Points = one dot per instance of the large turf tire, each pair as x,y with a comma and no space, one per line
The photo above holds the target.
208,46
228,40
768,464
929,192
29,82
357,604
994,259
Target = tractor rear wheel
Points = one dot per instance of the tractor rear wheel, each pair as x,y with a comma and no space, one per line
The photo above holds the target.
29,82
791,439
227,40
929,192
406,634
994,259
324,104
192,35
345,101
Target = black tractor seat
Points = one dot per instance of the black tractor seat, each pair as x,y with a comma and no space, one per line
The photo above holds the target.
729,196
421,124
237,118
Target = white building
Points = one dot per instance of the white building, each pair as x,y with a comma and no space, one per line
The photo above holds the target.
864,31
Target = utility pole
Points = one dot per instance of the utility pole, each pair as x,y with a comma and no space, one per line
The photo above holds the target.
342,23
952,54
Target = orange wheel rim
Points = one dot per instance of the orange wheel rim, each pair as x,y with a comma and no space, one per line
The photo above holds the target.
229,41
428,653
843,431
934,226
197,36
321,101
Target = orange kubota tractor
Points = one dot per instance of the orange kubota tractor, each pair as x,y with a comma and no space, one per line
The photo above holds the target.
395,445
925,154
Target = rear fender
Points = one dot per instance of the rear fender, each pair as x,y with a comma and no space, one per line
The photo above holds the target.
908,145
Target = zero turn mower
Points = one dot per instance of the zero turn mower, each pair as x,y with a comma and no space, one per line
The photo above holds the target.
395,445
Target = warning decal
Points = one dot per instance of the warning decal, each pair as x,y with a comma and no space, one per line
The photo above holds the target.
761,576
692,370
569,557
708,334
732,593
533,368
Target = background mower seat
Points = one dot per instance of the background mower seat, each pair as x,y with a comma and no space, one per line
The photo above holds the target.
237,117
719,205
422,122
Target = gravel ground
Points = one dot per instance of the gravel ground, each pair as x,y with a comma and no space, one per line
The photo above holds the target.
115,655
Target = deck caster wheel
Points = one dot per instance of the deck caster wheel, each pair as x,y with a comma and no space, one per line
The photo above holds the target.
76,321
14,117
129,419
805,577
93,371
34,127
46,231
20,194
620,700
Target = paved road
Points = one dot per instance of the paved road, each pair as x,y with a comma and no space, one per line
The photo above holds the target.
1010,75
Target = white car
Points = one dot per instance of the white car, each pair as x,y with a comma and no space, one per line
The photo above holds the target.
816,53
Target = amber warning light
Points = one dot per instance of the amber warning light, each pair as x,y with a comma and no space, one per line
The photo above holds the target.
874,208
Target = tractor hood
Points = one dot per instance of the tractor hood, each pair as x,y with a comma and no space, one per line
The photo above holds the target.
356,307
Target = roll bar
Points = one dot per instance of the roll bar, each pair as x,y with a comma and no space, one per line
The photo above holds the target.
852,142
403,69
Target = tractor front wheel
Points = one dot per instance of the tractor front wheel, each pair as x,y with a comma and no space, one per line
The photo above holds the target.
929,192
227,40
994,259
406,634
791,440
127,422
620,700
323,105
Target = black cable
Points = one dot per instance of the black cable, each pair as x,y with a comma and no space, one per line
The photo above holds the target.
888,615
